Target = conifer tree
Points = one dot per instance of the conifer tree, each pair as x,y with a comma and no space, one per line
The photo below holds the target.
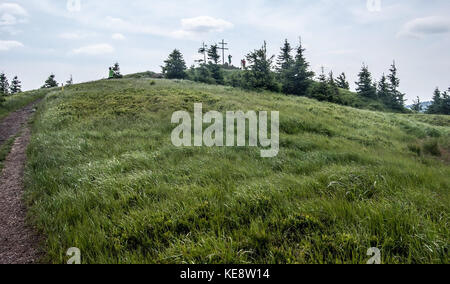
216,73
365,86
213,54
394,84
4,85
213,66
16,86
435,107
50,82
285,60
333,88
342,82
175,66
384,92
441,103
260,75
321,90
445,104
417,106
204,75
298,78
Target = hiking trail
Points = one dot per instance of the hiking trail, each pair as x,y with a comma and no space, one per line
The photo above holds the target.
18,242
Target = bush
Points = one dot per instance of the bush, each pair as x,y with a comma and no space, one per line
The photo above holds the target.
415,149
431,147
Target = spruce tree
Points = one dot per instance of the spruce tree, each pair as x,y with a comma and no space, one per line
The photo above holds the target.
384,92
436,106
365,86
203,75
175,66
213,54
417,105
285,60
50,82
441,103
321,90
298,78
445,104
333,88
342,82
394,84
213,66
4,85
259,74
16,86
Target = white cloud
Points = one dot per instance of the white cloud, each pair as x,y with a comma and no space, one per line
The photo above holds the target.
6,45
12,14
426,26
202,25
118,36
96,49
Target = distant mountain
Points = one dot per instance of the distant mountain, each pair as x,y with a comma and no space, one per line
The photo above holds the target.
425,106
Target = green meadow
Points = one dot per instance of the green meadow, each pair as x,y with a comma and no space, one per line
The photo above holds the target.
103,176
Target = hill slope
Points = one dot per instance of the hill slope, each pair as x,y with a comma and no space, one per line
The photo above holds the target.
104,176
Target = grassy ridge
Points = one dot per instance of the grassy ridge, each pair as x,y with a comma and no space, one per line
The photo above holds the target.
103,176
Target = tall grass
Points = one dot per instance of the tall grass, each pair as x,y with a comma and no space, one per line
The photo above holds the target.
103,176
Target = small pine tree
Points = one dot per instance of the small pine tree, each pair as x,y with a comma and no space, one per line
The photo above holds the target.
321,90
4,85
394,84
436,106
298,78
285,60
175,66
342,82
50,82
445,105
417,106
16,86
203,75
213,54
260,75
216,73
333,88
365,86
384,92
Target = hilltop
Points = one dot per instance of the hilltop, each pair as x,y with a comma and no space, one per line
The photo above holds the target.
103,176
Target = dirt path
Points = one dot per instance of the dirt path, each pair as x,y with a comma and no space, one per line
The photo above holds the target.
18,243
12,124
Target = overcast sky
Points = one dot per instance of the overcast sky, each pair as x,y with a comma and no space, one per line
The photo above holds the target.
83,38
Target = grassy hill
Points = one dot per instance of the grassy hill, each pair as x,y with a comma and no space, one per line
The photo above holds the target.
103,176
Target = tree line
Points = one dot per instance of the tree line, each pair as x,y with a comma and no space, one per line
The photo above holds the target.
7,89
440,103
289,73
